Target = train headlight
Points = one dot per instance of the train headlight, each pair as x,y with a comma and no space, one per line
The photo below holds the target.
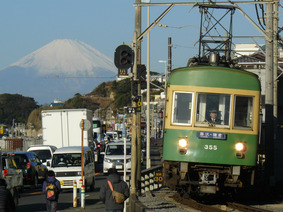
183,144
240,147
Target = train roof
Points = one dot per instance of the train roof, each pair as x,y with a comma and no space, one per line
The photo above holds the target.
213,76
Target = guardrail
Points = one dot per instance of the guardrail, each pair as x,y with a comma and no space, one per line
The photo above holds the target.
151,179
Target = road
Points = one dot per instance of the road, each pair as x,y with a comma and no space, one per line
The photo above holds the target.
34,200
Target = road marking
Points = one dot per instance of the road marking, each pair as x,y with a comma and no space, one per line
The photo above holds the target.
38,192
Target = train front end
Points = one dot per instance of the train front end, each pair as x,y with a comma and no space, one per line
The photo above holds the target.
211,129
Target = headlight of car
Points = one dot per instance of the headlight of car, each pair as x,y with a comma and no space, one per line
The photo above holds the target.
128,160
79,174
107,160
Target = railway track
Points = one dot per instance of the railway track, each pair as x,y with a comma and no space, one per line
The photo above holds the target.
229,206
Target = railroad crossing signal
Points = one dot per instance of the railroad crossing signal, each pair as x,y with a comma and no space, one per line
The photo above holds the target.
123,57
134,88
141,72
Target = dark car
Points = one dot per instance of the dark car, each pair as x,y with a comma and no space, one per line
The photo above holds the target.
34,171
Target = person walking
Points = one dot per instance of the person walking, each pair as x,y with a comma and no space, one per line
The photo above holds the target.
7,203
117,185
51,188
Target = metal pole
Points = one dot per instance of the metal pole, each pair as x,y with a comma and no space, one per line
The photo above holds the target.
148,165
75,194
82,149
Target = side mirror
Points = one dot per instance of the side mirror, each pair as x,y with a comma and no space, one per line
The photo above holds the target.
48,163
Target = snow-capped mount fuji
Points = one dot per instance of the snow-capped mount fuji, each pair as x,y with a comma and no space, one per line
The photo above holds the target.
74,63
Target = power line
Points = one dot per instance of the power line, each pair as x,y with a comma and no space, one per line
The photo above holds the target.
69,77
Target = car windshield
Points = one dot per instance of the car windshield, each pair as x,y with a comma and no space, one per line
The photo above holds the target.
69,159
21,160
117,150
43,154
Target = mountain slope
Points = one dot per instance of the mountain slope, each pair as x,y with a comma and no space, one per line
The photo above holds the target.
59,69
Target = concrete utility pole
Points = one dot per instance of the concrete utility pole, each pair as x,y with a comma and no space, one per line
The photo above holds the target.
136,117
148,164
169,56
269,101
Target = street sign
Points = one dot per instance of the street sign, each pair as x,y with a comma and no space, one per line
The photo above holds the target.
131,109
85,124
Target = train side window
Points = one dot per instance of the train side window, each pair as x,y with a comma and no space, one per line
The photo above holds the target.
243,117
182,108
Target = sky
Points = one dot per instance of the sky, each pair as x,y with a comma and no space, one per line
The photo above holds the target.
27,25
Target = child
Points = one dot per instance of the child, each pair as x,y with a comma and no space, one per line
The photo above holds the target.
51,200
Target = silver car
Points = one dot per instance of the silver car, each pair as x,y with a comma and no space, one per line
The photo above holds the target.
114,157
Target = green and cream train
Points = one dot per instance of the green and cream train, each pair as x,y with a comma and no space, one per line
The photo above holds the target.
203,156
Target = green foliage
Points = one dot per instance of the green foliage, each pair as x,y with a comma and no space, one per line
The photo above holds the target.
80,102
15,107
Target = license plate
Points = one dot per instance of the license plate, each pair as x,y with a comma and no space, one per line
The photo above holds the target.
119,167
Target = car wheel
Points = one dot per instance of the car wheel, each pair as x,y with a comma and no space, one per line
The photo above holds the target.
35,181
16,196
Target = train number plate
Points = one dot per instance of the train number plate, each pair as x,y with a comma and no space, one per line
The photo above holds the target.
212,135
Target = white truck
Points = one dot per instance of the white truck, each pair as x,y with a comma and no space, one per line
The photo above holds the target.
62,127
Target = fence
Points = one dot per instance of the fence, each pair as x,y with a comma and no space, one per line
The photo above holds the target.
151,179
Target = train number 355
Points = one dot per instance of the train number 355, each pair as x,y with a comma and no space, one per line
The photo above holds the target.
210,147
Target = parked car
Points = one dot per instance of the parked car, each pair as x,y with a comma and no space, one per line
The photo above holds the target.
34,172
114,157
44,152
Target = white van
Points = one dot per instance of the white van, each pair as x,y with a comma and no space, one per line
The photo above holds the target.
44,152
66,163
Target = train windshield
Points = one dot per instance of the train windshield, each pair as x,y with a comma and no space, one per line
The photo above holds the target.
182,108
213,109
243,112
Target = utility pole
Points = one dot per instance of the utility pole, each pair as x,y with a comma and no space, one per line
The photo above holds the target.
138,61
269,98
169,56
136,116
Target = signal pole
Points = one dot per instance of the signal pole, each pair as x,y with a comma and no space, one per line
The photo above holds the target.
138,115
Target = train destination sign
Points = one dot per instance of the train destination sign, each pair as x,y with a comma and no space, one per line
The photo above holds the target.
212,135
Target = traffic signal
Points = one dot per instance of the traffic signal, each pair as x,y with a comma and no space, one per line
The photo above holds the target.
141,75
134,88
123,57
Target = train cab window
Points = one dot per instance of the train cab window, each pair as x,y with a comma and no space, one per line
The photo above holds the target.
213,109
182,108
243,112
